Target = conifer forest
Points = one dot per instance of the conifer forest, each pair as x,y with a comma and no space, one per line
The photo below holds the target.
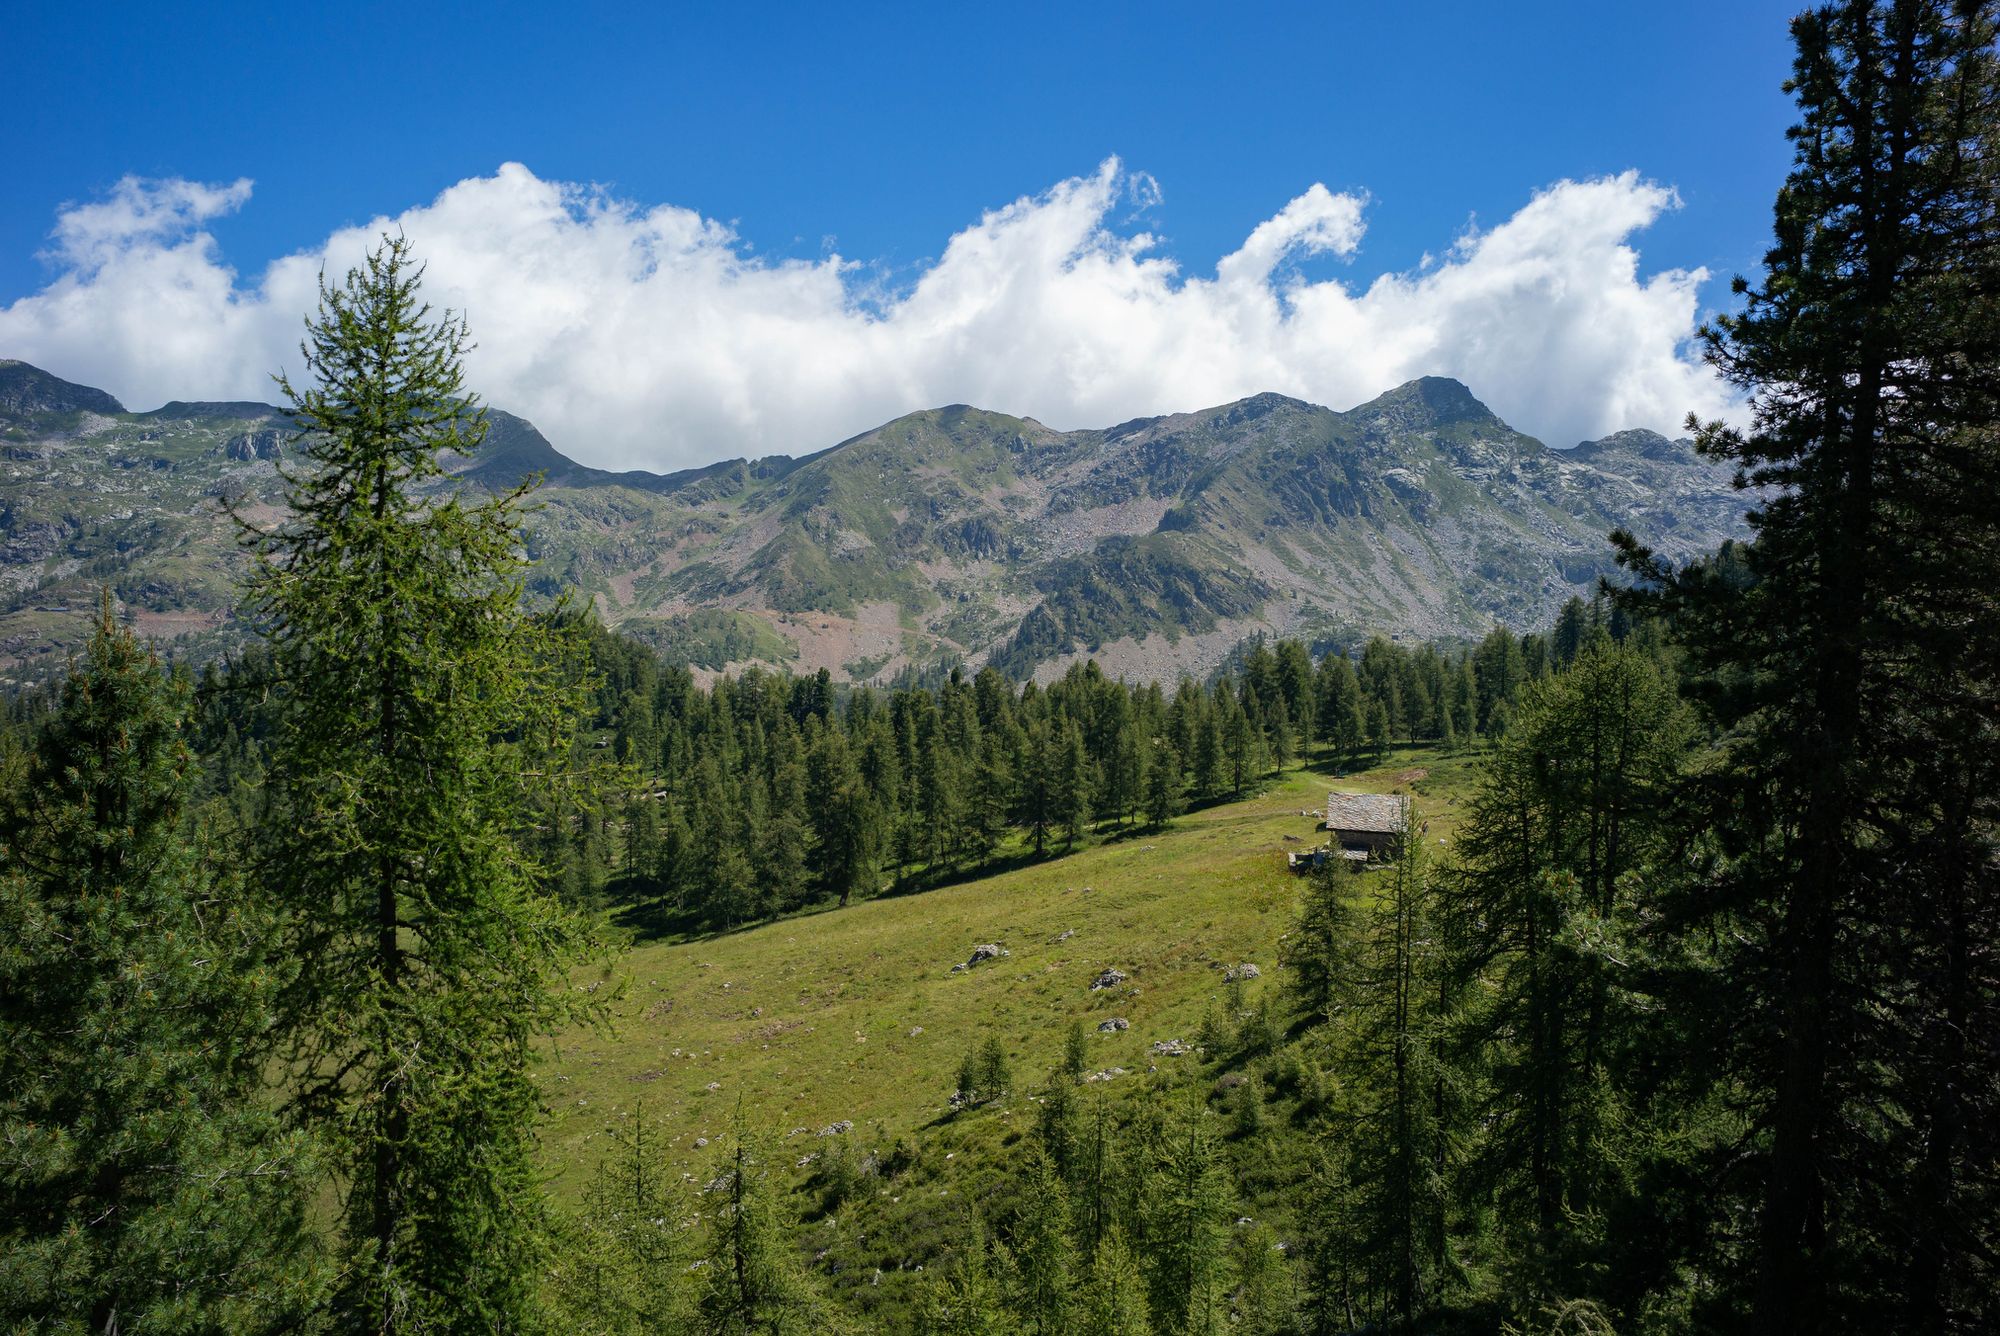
439,957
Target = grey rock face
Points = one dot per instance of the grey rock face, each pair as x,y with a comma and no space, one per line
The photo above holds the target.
265,444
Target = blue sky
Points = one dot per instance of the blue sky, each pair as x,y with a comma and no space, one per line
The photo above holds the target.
880,133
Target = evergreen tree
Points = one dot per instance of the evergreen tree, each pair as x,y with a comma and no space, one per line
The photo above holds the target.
1402,1161
1278,734
1320,952
1043,1261
1113,1302
1163,785
752,1281
1094,1175
1210,759
1185,1211
1076,1053
1035,803
419,699
1342,724
1850,662
1059,1124
1263,1302
1569,807
986,813
1243,745
1332,1286
784,836
1378,729
968,1301
1070,795
846,819
145,1186
620,1259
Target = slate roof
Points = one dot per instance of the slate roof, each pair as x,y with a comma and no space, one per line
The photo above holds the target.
1376,813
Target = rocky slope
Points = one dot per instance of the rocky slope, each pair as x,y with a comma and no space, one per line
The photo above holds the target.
951,534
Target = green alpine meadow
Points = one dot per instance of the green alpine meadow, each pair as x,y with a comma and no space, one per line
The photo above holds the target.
1262,869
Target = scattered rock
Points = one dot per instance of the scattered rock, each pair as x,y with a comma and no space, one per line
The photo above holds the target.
1171,1048
1292,839
1236,972
1062,936
700,1142
1106,1074
916,1030
1109,979
958,968
1113,1025
986,951
836,1129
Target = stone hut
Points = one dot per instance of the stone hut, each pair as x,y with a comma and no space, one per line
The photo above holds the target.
1368,827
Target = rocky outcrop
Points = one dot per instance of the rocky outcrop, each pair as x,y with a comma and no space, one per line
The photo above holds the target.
266,444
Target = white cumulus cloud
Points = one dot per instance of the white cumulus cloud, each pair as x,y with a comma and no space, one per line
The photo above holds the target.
650,336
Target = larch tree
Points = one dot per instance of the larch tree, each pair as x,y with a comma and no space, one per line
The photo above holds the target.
1185,1213
145,1185
423,710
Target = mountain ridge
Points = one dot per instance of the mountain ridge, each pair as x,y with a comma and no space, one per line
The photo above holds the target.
946,535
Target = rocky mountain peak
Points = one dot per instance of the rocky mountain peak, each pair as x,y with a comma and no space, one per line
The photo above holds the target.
29,391
1426,403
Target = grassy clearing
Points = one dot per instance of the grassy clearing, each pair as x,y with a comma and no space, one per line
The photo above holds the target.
854,1015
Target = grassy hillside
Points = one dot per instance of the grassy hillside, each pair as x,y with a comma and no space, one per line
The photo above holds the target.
856,1016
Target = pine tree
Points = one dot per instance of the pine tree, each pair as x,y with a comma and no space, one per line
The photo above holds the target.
1070,794
967,1301
1243,746
1210,757
1278,734
1850,661
783,840
846,818
1332,1282
1264,1301
1113,1302
1044,1263
1185,1211
1094,1175
1320,952
145,1187
1401,1186
419,699
620,1259
1569,807
1163,785
752,1281
1076,1052
1035,774
986,814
